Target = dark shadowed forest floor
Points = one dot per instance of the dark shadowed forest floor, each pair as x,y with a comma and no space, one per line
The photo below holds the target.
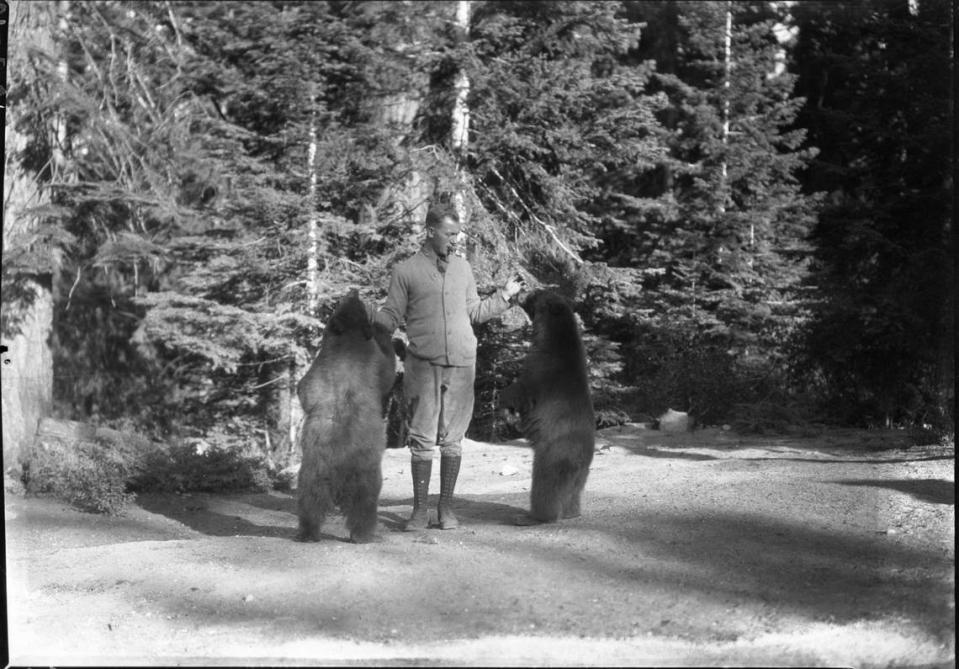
705,548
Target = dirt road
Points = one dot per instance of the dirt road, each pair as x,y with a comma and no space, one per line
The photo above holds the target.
696,549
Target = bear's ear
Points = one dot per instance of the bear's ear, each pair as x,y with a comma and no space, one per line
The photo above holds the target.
528,302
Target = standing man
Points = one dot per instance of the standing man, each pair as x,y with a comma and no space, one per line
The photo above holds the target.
434,292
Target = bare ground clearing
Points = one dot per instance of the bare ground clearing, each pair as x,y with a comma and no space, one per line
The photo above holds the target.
694,549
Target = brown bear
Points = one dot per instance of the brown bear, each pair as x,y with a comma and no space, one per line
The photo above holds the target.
555,409
343,395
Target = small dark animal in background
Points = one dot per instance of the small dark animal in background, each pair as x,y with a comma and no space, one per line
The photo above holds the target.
343,395
399,412
555,409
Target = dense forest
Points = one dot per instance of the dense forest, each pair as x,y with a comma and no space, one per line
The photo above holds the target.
750,203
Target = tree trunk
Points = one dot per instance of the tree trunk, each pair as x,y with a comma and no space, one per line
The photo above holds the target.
408,199
459,139
294,419
291,413
727,82
27,369
313,233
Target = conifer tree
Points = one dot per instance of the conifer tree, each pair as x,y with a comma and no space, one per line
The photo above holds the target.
733,242
879,80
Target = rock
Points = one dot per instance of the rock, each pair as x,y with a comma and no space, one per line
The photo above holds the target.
12,485
286,478
675,421
508,470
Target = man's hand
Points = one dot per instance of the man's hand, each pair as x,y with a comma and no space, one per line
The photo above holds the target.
512,288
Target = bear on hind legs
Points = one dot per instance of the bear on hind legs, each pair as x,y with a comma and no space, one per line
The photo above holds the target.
555,410
344,434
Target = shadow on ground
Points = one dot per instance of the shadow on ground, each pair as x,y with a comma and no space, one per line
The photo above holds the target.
819,573
695,567
471,509
933,491
211,514
664,452
240,515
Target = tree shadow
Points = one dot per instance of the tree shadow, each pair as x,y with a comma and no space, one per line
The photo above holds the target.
392,521
195,512
934,491
720,562
859,461
632,444
661,452
841,456
273,501
819,573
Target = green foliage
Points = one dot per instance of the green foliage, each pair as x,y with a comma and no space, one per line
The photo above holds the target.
559,126
718,264
880,345
612,154
780,416
91,475
195,465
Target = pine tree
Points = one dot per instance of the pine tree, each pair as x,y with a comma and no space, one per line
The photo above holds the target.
32,240
878,77
561,131
732,243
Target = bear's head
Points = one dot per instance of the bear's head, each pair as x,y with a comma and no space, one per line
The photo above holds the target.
350,316
550,312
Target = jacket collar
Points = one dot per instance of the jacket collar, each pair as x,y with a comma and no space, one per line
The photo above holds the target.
428,251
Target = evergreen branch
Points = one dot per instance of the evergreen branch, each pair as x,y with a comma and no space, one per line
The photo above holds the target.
268,383
73,287
549,228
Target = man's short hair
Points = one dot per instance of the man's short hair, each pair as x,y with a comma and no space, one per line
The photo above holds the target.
437,212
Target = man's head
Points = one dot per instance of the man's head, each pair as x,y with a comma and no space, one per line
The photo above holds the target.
442,229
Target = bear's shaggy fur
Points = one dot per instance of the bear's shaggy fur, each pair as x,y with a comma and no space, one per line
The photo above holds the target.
555,408
343,395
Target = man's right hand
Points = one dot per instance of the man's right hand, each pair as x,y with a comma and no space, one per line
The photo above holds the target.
512,288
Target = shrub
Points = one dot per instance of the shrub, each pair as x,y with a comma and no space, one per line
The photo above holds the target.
88,474
789,417
196,465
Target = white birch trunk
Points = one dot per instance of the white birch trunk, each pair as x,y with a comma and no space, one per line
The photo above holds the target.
461,116
313,232
294,415
727,83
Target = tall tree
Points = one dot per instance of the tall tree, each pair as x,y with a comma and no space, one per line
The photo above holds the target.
732,241
561,130
878,76
31,239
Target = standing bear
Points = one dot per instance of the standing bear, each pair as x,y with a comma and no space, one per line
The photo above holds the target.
343,395
555,410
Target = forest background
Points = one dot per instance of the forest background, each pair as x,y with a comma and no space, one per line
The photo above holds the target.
750,203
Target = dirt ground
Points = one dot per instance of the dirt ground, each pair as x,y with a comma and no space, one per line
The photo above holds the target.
706,548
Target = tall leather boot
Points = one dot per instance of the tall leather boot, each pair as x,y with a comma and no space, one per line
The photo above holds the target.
449,470
420,518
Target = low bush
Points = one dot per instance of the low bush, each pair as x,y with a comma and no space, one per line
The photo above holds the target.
91,475
198,466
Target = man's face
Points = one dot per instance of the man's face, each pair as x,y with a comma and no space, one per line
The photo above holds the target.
443,238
